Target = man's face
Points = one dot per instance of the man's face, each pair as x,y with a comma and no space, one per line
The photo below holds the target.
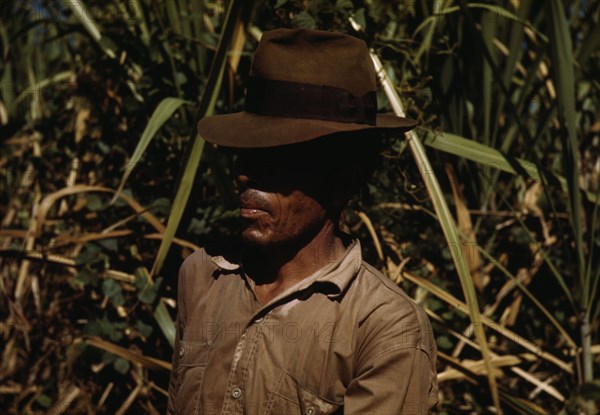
282,192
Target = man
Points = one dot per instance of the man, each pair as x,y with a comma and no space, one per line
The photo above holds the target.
292,321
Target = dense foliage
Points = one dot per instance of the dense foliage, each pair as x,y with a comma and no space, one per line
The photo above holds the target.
98,96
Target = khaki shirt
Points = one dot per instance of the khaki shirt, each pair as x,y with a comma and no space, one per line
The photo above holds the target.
344,340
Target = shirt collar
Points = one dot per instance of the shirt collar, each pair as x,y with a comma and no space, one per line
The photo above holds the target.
225,264
339,273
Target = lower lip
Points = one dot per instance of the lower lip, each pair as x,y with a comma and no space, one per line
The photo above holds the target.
250,213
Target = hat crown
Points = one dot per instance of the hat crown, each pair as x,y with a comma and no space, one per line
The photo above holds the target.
315,57
304,84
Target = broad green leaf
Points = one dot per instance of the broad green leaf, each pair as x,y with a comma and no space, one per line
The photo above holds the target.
444,342
110,288
87,276
110,244
161,206
564,78
488,29
490,157
197,10
91,254
144,329
108,358
121,365
179,204
113,291
148,293
515,53
94,202
162,317
304,20
44,400
562,58
160,116
479,153
173,15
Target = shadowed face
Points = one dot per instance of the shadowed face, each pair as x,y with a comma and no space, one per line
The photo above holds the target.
284,192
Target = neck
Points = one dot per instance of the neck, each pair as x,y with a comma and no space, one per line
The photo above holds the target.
282,266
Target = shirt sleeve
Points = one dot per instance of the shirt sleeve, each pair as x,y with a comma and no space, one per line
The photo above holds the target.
398,382
179,325
395,370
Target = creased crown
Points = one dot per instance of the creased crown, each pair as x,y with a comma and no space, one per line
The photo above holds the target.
315,57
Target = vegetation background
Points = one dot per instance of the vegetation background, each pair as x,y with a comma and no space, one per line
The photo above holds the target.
492,225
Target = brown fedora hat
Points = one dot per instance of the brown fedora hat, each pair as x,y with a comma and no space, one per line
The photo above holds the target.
304,84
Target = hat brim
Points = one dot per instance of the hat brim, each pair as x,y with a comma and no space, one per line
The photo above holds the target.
249,130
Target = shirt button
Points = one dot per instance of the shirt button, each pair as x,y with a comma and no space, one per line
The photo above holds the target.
181,351
310,411
236,393
258,320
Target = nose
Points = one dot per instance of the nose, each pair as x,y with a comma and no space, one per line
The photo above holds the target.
242,181
246,174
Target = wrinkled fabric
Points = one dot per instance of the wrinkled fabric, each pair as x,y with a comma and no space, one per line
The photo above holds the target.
345,340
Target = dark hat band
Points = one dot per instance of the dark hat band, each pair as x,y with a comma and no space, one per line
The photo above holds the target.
299,100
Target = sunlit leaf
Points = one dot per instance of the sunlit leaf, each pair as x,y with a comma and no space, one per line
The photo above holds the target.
161,115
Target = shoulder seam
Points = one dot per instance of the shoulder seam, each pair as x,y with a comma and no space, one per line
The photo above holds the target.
413,305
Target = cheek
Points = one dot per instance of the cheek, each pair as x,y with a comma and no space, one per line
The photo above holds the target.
292,216
301,211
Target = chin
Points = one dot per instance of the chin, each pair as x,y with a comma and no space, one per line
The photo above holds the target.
256,239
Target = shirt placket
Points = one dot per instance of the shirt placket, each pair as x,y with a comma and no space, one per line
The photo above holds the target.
244,356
